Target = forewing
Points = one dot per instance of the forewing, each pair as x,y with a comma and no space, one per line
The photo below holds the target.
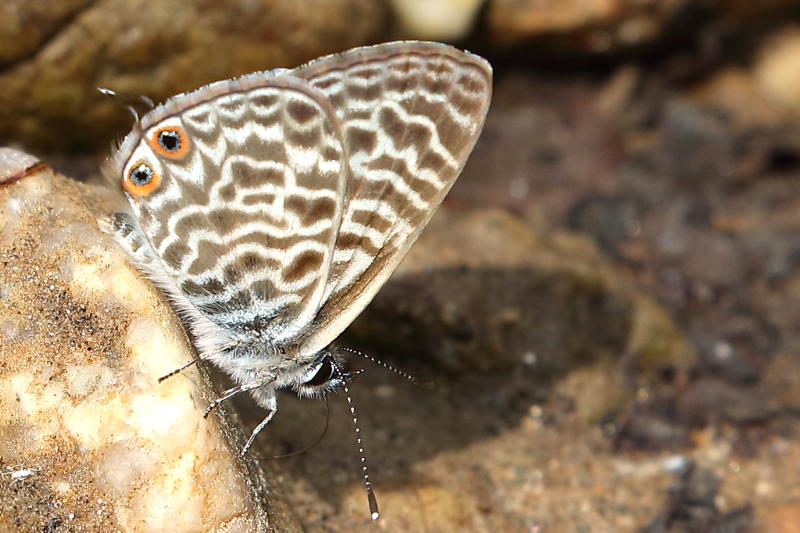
246,219
411,114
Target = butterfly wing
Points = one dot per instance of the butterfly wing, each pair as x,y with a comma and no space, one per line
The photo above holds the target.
411,113
251,175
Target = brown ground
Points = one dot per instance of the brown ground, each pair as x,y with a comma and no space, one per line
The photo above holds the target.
607,306
550,412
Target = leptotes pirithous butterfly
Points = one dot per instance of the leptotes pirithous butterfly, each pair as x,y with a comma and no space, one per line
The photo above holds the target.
271,208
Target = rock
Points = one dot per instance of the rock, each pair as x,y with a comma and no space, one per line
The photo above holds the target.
595,391
24,26
15,165
692,508
643,431
609,26
443,20
768,80
594,26
777,73
56,57
711,400
89,439
481,291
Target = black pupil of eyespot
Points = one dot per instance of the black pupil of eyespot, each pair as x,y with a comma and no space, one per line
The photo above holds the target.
169,141
141,176
323,374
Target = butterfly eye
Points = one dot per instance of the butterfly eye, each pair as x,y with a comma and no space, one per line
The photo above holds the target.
141,180
324,373
170,141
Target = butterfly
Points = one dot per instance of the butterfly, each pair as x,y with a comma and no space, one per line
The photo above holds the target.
271,208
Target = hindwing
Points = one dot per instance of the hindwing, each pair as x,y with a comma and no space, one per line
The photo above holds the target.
411,114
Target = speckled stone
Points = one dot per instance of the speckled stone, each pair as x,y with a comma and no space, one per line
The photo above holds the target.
89,439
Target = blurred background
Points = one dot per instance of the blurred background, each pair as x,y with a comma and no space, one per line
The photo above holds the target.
608,302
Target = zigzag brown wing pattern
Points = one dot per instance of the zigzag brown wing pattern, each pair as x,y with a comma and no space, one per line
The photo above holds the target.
411,114
249,202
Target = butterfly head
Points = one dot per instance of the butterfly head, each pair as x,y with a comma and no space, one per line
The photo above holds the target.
324,374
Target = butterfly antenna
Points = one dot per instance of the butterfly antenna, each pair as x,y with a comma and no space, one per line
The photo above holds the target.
385,365
124,100
373,501
147,101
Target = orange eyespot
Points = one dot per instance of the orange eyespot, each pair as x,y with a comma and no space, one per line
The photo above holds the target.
141,180
170,141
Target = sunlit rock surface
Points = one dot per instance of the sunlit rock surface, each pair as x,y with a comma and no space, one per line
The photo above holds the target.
443,20
89,440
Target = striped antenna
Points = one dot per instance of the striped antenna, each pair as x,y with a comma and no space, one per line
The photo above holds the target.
374,513
385,365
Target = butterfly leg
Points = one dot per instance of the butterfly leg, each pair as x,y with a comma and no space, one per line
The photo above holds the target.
270,403
178,370
228,394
